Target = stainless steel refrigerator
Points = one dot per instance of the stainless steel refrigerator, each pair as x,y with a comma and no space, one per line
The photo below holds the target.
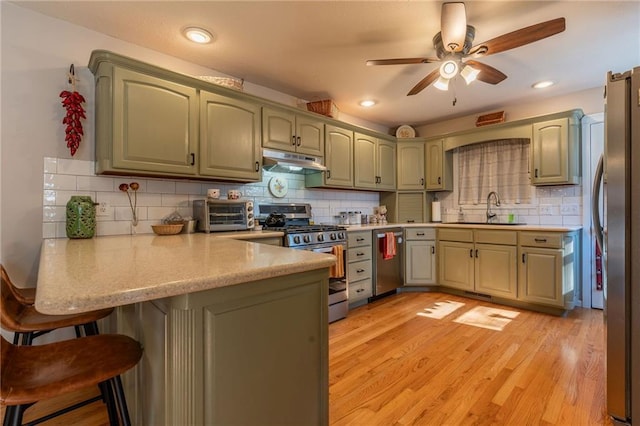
618,234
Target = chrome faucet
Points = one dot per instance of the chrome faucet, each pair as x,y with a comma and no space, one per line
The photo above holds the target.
490,215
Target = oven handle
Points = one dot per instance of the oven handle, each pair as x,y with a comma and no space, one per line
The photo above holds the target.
325,249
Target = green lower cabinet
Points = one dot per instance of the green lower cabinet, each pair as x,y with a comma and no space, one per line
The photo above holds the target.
254,353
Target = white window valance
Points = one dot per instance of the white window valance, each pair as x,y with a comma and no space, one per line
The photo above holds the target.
501,166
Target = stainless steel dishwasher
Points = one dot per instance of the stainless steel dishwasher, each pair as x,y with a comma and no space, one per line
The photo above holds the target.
388,272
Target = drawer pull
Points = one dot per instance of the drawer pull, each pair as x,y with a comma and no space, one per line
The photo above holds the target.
411,221
360,254
360,290
420,234
359,271
359,239
540,240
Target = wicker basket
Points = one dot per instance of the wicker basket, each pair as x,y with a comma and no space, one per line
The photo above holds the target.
325,107
167,229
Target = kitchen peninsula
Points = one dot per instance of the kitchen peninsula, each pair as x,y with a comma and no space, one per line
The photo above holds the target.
233,331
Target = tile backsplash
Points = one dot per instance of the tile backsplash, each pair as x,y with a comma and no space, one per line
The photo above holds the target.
158,198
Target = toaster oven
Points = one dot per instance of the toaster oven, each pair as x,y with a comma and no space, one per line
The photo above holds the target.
223,215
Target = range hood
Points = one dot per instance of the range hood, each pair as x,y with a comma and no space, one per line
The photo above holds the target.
288,162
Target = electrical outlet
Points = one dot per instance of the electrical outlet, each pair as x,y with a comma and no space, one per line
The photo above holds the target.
545,210
102,209
569,209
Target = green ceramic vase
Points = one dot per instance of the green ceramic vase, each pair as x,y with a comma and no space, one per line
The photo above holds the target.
81,217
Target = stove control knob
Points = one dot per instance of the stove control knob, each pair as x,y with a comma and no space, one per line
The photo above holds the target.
296,239
341,235
321,237
307,239
332,236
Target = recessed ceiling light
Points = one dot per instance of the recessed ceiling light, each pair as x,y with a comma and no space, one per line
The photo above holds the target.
542,84
197,35
367,103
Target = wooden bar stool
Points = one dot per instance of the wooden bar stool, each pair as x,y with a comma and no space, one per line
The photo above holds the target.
34,373
26,296
21,317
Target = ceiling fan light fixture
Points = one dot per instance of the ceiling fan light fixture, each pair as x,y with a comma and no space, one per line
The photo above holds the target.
441,84
367,103
197,35
453,22
448,69
469,73
543,84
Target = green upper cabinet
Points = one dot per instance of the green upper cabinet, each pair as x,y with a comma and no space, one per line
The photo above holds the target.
230,138
555,152
411,168
439,169
144,124
365,155
386,161
374,163
287,131
338,154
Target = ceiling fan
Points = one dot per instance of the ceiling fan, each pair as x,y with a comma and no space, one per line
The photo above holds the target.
454,48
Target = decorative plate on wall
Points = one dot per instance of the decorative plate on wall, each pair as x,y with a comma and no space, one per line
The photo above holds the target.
405,131
278,187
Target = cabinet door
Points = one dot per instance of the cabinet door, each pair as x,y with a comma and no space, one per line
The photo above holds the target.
155,124
278,129
496,270
540,276
386,159
456,265
411,165
439,167
309,136
339,156
410,207
365,161
420,265
230,142
550,152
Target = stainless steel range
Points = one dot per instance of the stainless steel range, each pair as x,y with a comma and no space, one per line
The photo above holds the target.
295,221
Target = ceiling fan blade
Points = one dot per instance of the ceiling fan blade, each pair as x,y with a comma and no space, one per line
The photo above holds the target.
488,74
401,61
433,76
453,25
518,38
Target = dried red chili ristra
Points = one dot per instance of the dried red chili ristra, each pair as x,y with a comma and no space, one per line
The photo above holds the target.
72,102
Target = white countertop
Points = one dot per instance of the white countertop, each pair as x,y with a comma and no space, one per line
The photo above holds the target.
540,228
79,275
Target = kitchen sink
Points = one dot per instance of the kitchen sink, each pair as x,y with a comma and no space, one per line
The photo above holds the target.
483,223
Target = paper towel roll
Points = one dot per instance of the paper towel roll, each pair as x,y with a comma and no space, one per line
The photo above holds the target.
435,211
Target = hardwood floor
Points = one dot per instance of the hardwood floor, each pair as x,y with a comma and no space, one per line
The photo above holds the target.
388,365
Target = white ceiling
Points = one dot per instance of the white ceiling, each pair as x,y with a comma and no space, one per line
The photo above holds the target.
317,49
